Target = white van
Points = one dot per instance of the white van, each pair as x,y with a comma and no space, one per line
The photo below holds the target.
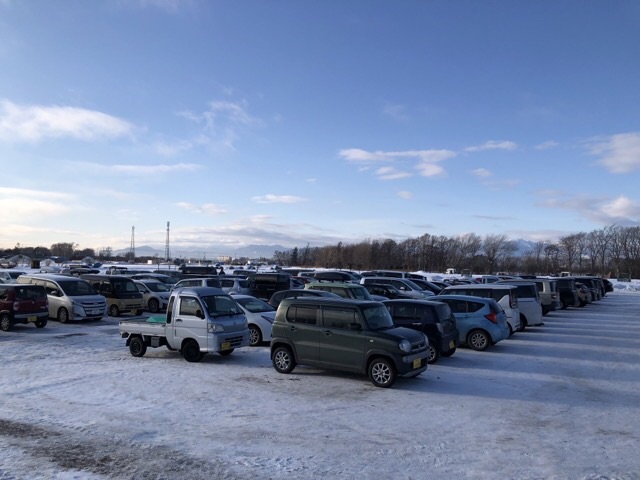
528,302
70,298
505,295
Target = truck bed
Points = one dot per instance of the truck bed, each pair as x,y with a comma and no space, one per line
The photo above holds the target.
155,327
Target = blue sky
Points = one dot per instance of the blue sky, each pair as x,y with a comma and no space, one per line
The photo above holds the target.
295,122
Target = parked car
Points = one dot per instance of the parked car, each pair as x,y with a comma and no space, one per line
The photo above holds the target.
385,290
263,285
213,282
121,293
277,297
235,285
334,276
349,335
568,292
594,284
10,276
260,316
434,319
426,284
528,302
585,296
405,285
70,298
344,290
481,322
155,294
23,303
549,295
504,294
169,280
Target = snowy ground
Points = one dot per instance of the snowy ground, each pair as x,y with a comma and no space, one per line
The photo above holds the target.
560,401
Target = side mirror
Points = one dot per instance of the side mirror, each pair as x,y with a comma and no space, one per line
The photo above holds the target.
199,313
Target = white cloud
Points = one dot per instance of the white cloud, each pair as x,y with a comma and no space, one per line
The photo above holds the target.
427,169
547,145
622,207
619,153
396,111
271,198
19,204
142,170
481,172
32,123
404,194
206,209
390,173
493,145
599,209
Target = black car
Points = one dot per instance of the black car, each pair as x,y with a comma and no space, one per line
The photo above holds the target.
388,291
434,319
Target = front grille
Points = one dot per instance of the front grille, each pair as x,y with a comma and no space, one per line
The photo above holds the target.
417,346
235,341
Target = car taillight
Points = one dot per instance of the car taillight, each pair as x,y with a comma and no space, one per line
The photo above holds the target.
491,317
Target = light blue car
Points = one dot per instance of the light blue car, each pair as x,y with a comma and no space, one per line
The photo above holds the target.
481,321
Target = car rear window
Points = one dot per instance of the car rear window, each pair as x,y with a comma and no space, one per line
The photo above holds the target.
30,292
526,291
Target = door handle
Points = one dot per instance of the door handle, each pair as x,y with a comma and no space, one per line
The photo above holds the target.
327,332
178,320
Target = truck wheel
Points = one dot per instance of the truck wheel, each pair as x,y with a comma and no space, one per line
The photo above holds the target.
41,323
382,373
5,323
153,305
283,360
255,336
114,311
225,353
137,347
63,315
191,351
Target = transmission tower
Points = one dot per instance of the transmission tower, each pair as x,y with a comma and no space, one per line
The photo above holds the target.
132,249
167,253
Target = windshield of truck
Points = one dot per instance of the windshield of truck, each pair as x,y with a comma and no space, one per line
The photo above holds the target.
377,317
255,305
76,288
221,305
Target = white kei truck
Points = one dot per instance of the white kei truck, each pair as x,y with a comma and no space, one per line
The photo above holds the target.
199,320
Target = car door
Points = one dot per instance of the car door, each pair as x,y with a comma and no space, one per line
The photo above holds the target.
187,324
304,328
342,341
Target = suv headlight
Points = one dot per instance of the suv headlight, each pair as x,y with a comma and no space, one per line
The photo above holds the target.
405,346
215,327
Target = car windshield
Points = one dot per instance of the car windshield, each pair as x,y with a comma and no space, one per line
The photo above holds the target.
255,305
15,275
361,293
158,287
414,286
221,305
378,317
74,289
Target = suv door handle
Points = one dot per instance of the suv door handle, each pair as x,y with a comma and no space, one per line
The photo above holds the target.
327,332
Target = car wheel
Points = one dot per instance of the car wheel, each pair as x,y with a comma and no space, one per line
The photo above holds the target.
41,323
382,373
434,354
255,336
283,360
448,353
191,351
523,323
5,323
153,305
226,353
114,311
63,315
510,329
137,347
478,340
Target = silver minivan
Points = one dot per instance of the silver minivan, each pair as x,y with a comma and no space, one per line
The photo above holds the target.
505,295
528,302
70,298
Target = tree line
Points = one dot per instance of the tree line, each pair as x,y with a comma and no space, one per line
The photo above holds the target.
612,250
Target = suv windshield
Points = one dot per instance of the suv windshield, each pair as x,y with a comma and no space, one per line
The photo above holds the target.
221,305
377,317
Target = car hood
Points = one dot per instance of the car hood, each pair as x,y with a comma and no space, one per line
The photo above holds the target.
401,333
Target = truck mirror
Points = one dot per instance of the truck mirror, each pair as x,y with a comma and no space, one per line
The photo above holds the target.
199,313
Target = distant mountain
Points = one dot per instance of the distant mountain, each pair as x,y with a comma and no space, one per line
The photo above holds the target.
208,252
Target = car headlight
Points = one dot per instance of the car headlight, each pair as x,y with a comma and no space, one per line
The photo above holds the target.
214,327
405,346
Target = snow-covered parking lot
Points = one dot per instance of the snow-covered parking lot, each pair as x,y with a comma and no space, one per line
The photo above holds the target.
559,401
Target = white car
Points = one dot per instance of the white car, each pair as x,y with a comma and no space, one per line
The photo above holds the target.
260,316
155,294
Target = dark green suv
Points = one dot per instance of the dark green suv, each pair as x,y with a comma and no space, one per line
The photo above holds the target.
350,335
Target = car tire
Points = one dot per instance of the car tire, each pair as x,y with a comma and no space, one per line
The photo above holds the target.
448,353
283,360
226,353
153,305
510,329
5,323
434,354
523,323
114,311
255,336
478,340
382,372
191,351
137,347
63,315
41,323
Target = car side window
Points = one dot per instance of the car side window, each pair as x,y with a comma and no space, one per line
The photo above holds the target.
189,306
426,314
338,317
3,294
474,306
457,306
50,287
306,315
226,283
404,313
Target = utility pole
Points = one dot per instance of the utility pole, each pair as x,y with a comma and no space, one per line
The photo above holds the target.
132,248
167,253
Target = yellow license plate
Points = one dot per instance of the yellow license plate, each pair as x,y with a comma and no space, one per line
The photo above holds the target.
416,363
452,344
225,346
32,318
